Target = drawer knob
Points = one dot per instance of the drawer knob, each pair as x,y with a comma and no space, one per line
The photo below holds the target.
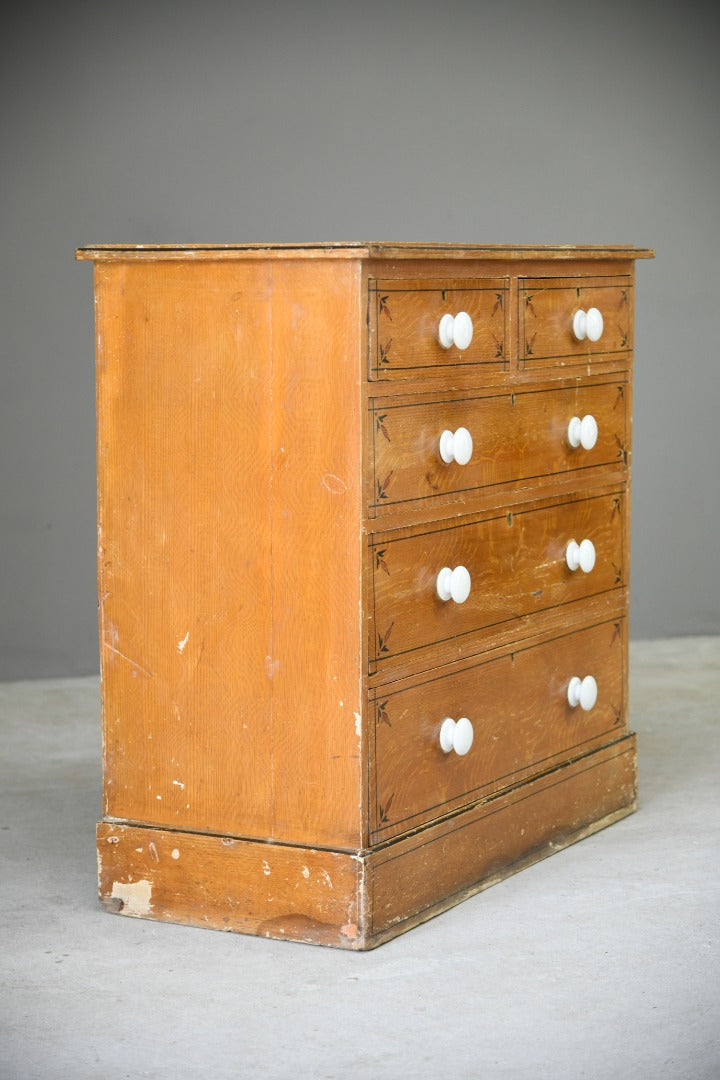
456,735
583,432
588,324
453,584
580,556
456,330
456,447
582,692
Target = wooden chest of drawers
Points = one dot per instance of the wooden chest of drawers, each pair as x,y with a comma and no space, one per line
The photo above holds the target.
363,552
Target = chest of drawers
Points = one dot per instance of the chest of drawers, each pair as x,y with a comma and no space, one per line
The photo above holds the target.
363,558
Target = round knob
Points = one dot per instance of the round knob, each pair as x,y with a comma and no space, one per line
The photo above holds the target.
457,447
456,735
456,330
453,584
580,555
582,692
583,432
588,324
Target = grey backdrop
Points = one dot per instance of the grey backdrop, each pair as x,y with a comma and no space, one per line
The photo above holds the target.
504,122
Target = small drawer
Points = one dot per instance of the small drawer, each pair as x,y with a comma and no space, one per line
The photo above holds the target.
404,326
492,572
517,710
548,332
514,437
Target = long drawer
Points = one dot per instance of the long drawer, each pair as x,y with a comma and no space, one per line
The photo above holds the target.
516,565
515,437
518,709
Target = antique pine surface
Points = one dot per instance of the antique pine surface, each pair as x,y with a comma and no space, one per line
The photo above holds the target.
273,512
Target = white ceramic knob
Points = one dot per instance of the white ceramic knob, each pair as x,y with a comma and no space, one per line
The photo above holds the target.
456,447
456,735
453,584
588,324
583,432
456,330
582,692
580,556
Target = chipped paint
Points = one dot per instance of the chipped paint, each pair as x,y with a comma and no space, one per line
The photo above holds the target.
175,853
179,784
305,872
326,879
266,868
135,896
358,724
153,851
183,642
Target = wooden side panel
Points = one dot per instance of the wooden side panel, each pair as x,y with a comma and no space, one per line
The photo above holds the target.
416,878
242,885
315,652
184,542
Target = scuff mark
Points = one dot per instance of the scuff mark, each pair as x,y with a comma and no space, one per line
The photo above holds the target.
183,642
153,851
129,659
135,897
266,868
326,879
334,484
179,784
358,724
305,872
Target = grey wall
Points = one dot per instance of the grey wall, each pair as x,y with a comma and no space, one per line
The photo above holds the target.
479,122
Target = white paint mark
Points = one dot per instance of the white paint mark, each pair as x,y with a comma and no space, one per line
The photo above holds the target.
334,484
159,798
175,853
153,851
305,872
136,896
113,839
139,850
271,666
181,644
358,723
326,878
177,783
341,704
266,868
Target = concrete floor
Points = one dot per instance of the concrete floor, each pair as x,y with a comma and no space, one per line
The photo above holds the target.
600,962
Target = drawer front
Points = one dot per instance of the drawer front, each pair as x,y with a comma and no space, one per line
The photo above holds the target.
520,715
516,563
515,437
545,320
404,319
